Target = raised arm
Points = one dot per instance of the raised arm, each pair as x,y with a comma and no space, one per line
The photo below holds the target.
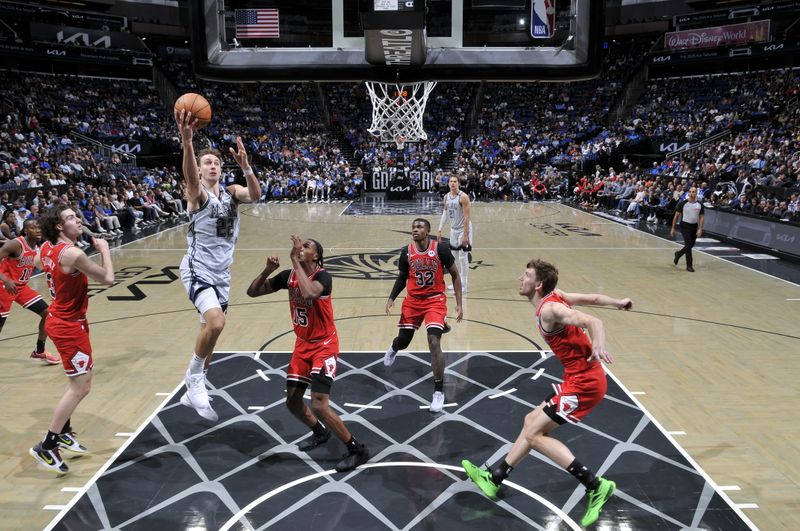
252,193
595,299
556,315
261,284
74,258
309,289
191,174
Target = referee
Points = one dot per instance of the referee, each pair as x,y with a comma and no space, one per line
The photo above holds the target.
691,212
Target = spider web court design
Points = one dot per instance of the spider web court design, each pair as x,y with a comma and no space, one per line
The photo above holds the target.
180,471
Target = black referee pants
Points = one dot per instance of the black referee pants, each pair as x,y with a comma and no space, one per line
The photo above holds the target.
689,232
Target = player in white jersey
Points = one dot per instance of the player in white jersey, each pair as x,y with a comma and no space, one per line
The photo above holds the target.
457,208
213,231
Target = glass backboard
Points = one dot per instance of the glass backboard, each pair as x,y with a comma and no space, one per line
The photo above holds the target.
396,40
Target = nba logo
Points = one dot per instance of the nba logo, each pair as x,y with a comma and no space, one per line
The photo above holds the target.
543,18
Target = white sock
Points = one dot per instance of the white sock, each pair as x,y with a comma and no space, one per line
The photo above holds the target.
197,364
463,262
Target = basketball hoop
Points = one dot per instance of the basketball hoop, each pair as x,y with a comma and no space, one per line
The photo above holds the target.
397,110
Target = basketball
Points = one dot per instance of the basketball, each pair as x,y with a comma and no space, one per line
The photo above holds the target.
197,105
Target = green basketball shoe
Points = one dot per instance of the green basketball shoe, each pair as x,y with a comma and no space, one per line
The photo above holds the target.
482,478
597,498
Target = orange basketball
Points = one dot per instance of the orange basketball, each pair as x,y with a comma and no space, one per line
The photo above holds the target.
197,105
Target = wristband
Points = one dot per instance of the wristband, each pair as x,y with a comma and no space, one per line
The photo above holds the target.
249,172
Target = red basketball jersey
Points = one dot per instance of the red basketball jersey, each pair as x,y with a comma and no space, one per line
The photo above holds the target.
570,343
426,271
68,290
312,319
20,269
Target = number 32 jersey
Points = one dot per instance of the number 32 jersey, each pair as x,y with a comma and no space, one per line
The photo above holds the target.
425,268
312,318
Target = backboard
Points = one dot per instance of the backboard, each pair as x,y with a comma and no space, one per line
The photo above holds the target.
396,40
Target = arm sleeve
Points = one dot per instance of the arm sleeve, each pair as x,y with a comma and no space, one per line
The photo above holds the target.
281,280
400,282
444,219
325,278
445,255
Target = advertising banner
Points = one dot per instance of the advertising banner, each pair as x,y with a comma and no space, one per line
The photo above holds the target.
761,232
717,36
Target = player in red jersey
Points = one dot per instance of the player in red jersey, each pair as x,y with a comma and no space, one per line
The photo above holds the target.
316,348
67,268
17,260
422,265
583,387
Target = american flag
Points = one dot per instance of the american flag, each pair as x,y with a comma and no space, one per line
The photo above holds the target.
257,24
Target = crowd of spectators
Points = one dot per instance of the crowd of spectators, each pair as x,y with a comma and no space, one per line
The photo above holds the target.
526,141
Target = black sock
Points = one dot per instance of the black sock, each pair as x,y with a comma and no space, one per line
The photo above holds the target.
50,441
319,428
500,471
352,444
67,427
39,347
438,385
584,475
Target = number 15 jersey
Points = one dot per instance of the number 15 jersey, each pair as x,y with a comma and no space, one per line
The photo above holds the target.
312,318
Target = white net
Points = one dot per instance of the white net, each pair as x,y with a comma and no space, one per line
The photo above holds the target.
397,110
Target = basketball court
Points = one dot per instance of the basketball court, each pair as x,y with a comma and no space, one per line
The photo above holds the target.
685,430
411,481
696,429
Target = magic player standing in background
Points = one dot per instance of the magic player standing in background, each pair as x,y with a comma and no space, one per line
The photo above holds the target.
457,208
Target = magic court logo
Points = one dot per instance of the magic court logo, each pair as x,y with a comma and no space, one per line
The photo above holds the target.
381,265
364,266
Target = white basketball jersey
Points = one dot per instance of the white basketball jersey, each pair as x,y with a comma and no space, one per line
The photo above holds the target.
212,235
455,212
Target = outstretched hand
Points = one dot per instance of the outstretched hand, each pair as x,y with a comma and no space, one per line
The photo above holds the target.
297,246
240,154
625,304
186,124
273,263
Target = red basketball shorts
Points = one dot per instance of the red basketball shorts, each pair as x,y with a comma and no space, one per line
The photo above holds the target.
25,296
314,357
433,311
577,395
71,339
